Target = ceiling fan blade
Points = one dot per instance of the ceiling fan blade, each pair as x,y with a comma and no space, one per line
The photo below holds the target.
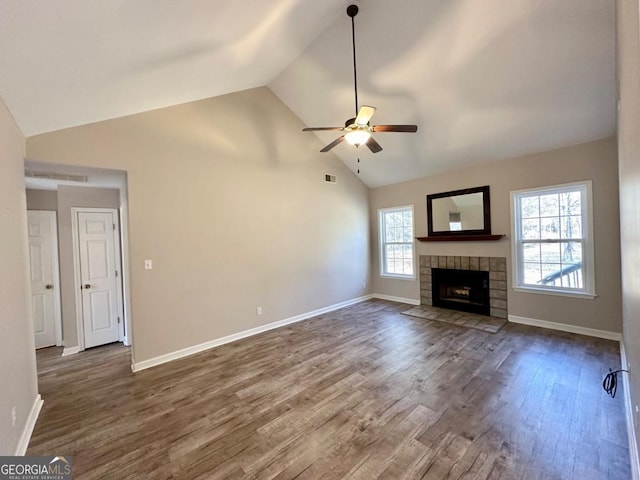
314,129
364,115
396,128
373,145
332,144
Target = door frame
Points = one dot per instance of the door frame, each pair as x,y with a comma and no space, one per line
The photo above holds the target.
123,334
55,271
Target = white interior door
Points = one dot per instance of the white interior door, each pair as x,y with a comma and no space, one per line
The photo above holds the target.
99,260
45,292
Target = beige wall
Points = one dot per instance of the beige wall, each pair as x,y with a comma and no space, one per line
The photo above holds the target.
629,164
69,197
17,347
596,161
227,197
42,199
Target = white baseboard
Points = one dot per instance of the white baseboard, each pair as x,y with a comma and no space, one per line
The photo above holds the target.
70,351
563,327
391,298
185,352
631,431
21,449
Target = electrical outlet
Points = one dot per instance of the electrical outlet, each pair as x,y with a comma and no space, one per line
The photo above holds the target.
148,264
14,416
259,311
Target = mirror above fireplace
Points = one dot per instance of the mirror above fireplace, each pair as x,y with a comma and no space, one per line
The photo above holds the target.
459,213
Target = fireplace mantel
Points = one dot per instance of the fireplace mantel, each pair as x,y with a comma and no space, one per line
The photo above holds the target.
461,238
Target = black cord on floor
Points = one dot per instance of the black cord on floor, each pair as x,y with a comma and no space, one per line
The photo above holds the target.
610,382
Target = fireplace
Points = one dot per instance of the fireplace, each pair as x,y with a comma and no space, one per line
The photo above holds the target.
495,267
463,290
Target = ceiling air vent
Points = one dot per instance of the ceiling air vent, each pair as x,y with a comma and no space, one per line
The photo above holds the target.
329,178
56,176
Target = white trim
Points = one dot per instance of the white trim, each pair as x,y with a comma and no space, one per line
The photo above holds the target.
391,298
23,443
407,278
126,281
631,431
70,351
75,232
563,327
185,352
119,268
555,293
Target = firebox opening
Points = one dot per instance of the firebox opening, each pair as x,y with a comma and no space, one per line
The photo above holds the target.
464,290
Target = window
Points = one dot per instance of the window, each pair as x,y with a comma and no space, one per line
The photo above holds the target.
552,240
455,224
396,242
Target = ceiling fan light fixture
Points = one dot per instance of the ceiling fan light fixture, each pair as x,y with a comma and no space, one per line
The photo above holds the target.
358,129
357,137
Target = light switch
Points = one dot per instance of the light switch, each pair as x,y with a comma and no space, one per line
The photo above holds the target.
148,264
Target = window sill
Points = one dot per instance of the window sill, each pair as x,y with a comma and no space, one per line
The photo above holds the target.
398,277
556,293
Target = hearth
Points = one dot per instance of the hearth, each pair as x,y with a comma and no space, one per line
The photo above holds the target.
464,290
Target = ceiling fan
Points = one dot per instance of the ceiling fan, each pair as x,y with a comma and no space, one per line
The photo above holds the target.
358,129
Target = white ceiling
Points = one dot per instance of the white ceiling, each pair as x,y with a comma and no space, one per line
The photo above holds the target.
71,62
483,79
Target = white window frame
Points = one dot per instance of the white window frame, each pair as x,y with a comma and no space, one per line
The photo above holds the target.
382,242
588,259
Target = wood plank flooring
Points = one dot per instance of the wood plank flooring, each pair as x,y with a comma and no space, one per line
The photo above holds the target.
361,393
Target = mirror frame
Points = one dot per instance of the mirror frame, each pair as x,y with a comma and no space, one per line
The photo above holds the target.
486,209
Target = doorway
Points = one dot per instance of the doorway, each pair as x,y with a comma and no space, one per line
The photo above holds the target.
61,188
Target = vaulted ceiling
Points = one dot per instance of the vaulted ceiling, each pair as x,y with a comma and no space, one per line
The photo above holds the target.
483,79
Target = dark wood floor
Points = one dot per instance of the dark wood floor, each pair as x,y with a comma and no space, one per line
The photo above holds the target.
361,393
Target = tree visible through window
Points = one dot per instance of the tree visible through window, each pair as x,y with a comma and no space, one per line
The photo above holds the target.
396,242
551,238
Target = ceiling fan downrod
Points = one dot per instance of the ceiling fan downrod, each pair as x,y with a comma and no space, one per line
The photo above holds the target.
352,11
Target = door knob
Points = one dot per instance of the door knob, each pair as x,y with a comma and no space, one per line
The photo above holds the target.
86,285
49,286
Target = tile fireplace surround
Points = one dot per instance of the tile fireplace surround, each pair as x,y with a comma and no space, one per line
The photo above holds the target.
496,266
